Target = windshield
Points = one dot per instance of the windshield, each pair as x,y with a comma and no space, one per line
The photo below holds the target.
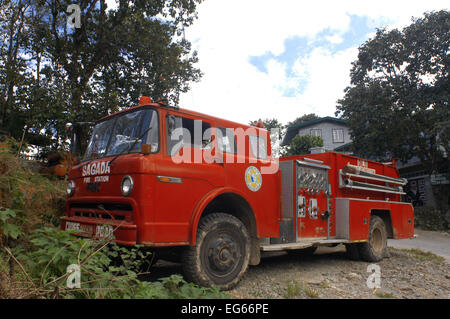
118,134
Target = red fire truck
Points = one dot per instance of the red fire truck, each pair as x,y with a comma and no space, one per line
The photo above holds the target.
208,192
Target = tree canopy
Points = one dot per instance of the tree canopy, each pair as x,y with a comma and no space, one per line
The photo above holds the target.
53,72
301,144
302,119
397,103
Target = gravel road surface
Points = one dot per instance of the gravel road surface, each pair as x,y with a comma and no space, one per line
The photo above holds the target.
405,273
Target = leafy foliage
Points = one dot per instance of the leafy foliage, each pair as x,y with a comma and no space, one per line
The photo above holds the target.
8,228
397,104
46,266
52,73
301,144
35,199
302,119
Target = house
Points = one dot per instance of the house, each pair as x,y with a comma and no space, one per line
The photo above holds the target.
334,132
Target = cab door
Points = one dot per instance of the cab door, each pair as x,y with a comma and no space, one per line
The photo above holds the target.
186,173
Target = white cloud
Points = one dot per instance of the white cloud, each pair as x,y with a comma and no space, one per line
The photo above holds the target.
227,33
329,75
335,39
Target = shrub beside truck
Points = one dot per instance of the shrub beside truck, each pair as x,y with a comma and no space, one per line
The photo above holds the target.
207,192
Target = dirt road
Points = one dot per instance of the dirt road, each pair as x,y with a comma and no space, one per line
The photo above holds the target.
329,274
436,242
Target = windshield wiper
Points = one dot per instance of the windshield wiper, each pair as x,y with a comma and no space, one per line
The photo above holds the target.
131,147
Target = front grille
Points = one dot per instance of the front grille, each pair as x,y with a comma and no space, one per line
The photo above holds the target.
105,206
104,211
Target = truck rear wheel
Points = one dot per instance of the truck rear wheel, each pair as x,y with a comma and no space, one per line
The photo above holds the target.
375,248
221,254
352,251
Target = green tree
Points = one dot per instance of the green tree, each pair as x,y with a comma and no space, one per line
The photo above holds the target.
54,72
397,103
14,76
301,144
302,119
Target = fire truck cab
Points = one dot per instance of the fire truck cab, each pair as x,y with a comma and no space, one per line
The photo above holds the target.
209,192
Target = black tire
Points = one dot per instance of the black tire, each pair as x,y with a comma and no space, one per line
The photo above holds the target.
221,254
352,251
375,248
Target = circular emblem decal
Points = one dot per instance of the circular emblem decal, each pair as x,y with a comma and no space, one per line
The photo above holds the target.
253,178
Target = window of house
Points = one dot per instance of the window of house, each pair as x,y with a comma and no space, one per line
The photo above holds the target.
338,136
316,132
182,131
258,146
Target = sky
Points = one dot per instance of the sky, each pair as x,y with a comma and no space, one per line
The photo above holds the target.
284,59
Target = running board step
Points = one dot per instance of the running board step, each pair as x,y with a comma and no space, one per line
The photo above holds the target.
302,244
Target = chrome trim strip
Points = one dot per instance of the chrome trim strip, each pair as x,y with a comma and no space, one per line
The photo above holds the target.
374,189
372,200
380,178
312,160
312,164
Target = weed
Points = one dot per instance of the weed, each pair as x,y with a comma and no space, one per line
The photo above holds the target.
324,284
295,289
384,295
425,255
310,292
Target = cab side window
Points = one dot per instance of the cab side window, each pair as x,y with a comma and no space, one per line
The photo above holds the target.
258,146
226,140
186,132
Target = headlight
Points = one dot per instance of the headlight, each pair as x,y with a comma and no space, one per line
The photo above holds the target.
71,188
127,185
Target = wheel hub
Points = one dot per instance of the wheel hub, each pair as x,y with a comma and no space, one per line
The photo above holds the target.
223,254
377,240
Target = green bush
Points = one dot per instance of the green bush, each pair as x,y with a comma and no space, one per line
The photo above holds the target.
46,263
9,227
36,199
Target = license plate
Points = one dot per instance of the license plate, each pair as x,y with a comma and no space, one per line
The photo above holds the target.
104,231
86,230
72,226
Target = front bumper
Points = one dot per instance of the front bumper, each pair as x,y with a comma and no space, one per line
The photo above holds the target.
89,213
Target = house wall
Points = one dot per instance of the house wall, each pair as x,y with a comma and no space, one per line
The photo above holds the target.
327,134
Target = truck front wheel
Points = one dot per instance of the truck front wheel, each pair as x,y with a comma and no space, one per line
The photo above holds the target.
221,254
375,248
